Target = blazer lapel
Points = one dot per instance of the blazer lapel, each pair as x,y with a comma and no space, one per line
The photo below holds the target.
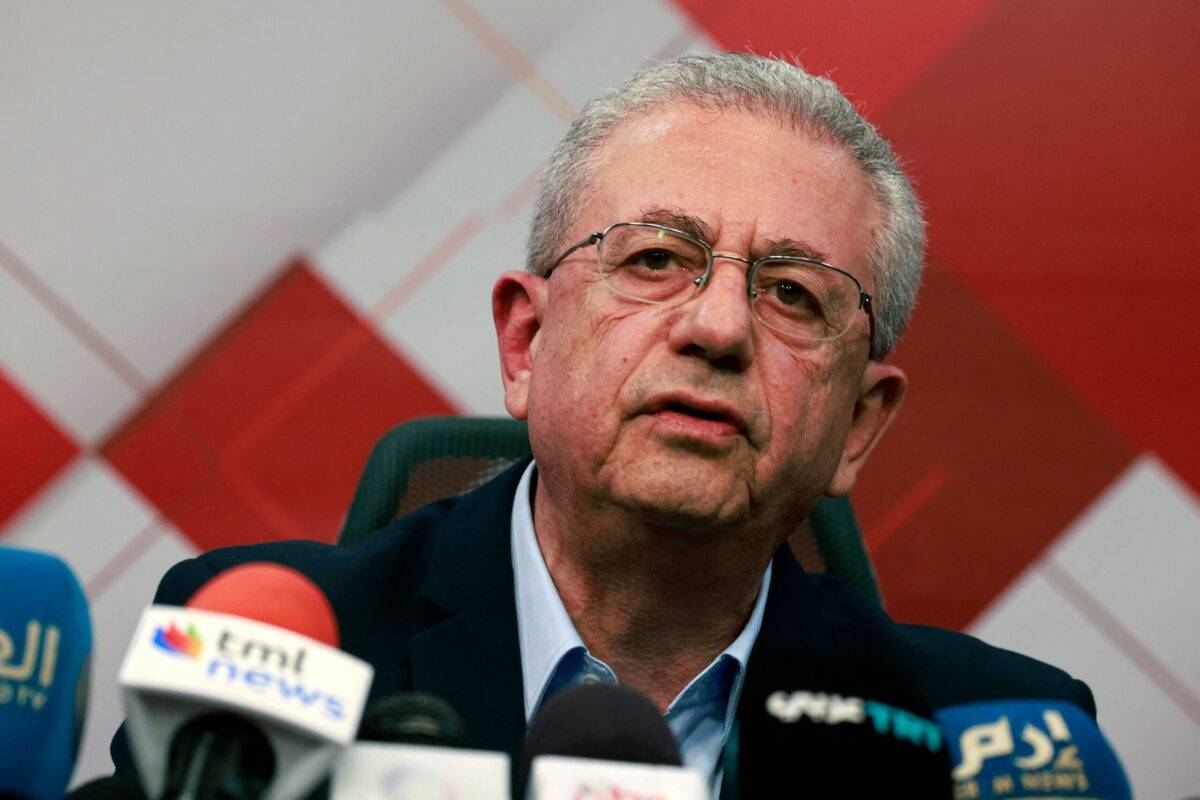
803,618
791,618
469,651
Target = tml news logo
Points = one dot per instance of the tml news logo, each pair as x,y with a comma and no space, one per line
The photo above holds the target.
179,643
264,667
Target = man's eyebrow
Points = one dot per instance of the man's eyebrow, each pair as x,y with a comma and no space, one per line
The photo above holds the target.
674,218
795,248
698,228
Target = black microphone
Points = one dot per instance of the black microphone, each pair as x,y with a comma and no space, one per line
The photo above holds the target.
602,721
833,728
111,787
413,718
415,745
602,740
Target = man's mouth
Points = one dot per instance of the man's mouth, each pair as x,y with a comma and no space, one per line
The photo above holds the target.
698,417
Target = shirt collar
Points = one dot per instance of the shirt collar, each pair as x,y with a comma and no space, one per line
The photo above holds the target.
545,629
547,635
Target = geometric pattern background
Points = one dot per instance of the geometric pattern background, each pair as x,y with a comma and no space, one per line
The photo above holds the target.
240,441
238,243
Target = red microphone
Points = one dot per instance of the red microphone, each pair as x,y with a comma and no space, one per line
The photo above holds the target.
242,693
271,593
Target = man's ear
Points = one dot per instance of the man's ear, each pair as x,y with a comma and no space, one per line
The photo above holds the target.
518,308
879,397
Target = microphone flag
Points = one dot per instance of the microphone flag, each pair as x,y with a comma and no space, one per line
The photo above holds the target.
1030,750
307,696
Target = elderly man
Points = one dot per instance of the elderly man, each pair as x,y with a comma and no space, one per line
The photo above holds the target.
723,255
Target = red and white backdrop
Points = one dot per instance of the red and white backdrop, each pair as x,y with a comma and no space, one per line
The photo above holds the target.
238,242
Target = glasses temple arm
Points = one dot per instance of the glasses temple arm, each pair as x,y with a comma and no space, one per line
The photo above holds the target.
866,305
591,239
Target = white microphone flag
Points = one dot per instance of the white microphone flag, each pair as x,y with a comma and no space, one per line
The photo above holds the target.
380,771
568,778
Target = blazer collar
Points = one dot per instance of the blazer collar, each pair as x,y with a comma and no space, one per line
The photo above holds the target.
806,616
471,555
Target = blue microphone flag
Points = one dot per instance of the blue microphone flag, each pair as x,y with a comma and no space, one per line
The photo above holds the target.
1030,750
45,643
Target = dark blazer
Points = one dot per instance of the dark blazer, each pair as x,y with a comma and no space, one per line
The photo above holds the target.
429,602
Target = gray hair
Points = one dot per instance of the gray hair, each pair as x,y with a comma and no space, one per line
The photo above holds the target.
760,86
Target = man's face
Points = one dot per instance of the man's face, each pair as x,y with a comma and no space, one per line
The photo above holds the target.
696,415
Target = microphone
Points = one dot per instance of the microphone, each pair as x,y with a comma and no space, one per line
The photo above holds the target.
1030,749
604,741
45,651
832,728
413,718
413,745
111,787
243,694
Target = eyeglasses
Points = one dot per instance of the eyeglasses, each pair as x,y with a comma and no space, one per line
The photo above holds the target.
799,298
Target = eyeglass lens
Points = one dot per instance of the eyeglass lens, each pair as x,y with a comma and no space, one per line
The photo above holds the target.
797,298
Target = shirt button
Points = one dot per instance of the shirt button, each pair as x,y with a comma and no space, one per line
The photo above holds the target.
590,679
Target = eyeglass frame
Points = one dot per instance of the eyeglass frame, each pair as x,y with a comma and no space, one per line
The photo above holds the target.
864,298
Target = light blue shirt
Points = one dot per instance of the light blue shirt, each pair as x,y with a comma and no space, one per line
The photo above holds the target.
553,656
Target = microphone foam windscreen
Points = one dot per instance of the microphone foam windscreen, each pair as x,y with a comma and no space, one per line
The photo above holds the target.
45,645
413,718
1030,749
602,721
274,594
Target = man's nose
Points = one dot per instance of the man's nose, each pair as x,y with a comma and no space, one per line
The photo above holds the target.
718,322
